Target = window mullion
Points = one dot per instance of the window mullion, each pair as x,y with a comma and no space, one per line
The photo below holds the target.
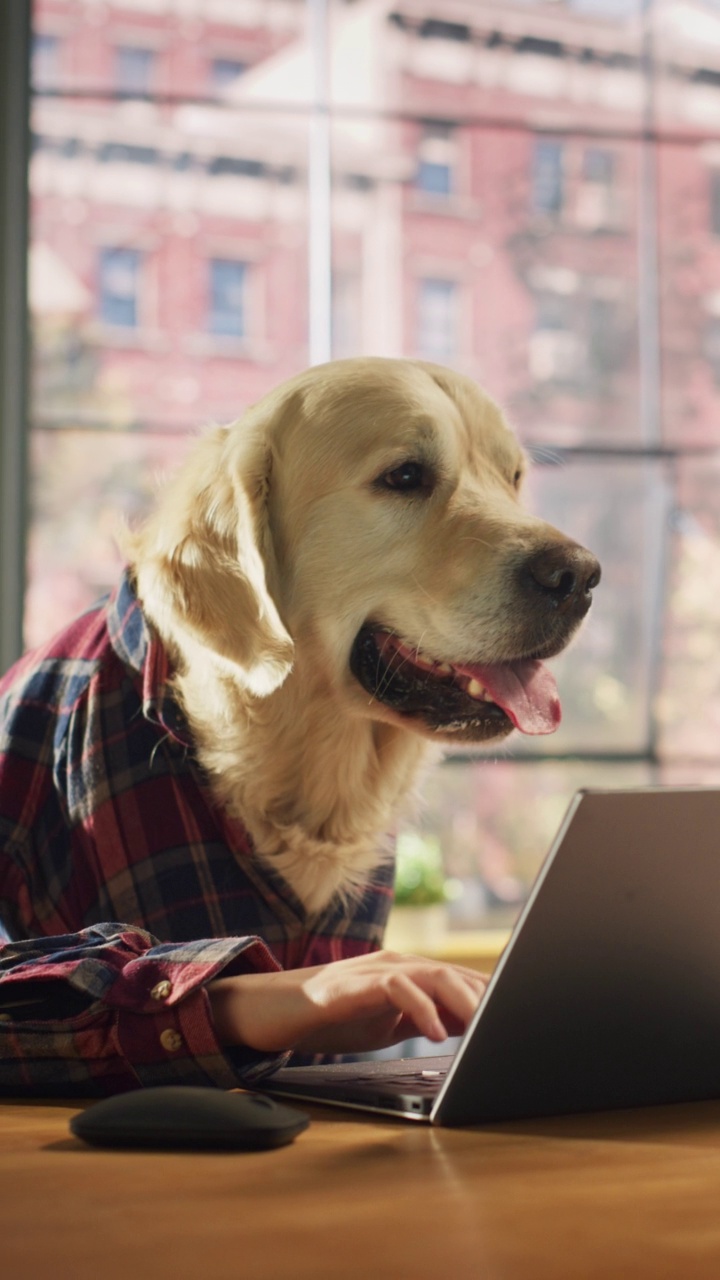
14,129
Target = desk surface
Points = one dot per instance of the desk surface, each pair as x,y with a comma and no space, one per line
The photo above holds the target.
634,1194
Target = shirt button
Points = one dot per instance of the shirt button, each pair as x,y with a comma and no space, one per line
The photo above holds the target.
161,990
171,1040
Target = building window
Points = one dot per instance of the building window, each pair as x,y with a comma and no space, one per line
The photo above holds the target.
224,72
237,166
607,345
438,29
547,176
598,165
595,204
134,70
436,160
553,311
556,350
125,153
437,319
119,271
228,298
45,63
580,337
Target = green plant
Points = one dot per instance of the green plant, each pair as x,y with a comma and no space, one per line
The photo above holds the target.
419,876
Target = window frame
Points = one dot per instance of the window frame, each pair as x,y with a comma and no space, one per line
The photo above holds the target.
563,172
15,45
214,263
109,300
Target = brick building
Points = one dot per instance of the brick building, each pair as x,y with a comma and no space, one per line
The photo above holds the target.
488,190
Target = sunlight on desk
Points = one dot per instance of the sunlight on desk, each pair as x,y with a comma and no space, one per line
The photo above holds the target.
599,1197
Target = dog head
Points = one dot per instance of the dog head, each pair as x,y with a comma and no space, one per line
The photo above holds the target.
362,526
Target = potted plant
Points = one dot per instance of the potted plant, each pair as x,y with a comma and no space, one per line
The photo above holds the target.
418,920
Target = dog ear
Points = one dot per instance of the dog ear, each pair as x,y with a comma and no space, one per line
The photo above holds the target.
205,557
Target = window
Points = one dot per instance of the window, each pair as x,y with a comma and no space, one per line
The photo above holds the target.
436,161
547,177
598,165
438,29
238,165
134,70
224,72
579,337
45,62
437,319
434,176
606,349
228,298
538,45
596,202
491,205
124,153
554,311
119,272
556,350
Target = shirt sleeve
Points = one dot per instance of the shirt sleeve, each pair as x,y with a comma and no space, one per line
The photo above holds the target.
109,1009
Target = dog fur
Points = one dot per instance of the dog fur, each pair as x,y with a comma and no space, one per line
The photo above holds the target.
278,540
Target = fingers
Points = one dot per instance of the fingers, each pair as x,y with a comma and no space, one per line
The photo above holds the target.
438,998
455,988
410,999
348,1005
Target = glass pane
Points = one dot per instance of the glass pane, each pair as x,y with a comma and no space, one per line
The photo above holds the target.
146,48
574,64
86,485
617,508
689,213
168,276
684,43
689,701
167,279
492,207
541,310
494,822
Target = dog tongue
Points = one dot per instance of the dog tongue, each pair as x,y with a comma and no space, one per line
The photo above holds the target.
525,690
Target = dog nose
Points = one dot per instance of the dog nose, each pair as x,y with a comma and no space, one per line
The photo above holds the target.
566,575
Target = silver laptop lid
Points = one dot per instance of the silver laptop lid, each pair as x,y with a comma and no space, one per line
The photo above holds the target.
608,993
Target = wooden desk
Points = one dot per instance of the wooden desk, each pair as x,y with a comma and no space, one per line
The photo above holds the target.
628,1196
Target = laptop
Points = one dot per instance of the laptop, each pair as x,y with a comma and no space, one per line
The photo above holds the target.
607,994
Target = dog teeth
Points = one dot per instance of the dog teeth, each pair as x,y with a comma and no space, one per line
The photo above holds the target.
419,660
476,690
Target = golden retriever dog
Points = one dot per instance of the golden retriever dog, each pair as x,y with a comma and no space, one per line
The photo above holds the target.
343,577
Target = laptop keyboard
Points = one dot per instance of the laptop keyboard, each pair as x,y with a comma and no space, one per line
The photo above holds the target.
397,1074
425,1083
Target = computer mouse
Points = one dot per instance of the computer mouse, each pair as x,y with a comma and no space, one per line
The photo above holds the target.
189,1117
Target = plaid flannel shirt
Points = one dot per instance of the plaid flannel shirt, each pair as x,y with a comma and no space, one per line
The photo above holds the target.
124,889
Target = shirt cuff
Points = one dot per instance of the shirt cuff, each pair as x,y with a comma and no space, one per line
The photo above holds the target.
164,1023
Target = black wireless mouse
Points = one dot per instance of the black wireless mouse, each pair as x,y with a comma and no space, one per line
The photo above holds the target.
188,1117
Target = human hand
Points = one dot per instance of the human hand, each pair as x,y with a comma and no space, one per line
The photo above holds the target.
349,1006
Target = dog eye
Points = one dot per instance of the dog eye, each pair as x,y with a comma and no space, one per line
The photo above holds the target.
517,478
405,478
